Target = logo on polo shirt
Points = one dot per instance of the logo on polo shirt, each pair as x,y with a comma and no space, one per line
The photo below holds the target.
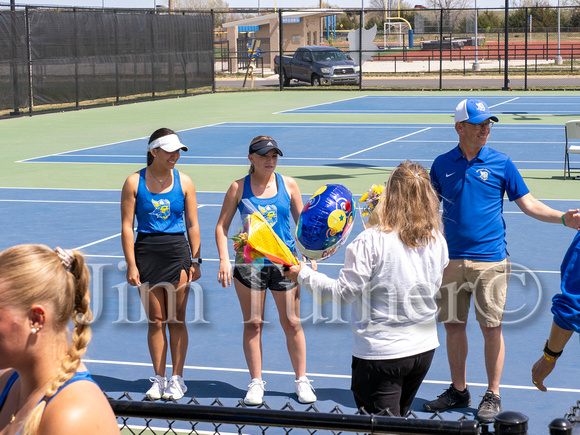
483,174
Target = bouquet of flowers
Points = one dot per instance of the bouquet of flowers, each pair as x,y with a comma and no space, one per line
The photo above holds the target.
259,240
369,200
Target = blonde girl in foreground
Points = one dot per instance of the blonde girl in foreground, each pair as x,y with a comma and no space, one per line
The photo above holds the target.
44,387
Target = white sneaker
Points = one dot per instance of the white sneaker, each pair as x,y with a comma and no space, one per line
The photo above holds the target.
304,390
157,389
255,392
175,389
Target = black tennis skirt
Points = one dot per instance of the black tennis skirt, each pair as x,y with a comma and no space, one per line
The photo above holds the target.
161,257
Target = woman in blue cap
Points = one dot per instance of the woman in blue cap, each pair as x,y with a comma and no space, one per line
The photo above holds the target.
278,198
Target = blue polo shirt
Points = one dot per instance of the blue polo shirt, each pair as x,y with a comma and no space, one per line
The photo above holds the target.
472,195
566,305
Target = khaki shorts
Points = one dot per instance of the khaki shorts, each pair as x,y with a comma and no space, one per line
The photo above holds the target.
486,280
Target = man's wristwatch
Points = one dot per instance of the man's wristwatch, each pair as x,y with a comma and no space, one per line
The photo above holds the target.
549,354
195,261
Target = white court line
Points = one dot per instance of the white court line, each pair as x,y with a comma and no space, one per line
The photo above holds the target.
60,188
112,143
319,375
384,143
138,156
433,112
396,126
495,142
59,202
319,104
80,149
110,237
96,242
204,259
513,387
205,165
320,264
66,189
50,201
507,101
375,125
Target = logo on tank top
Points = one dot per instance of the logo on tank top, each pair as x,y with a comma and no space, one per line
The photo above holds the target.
162,208
270,213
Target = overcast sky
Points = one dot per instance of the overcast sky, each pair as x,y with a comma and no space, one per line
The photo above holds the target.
232,3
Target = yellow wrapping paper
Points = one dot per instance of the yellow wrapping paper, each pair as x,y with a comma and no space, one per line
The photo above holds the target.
263,239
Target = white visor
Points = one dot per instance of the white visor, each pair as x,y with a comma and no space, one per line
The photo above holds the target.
167,143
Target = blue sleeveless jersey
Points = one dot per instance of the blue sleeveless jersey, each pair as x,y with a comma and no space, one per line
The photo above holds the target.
160,212
78,376
276,210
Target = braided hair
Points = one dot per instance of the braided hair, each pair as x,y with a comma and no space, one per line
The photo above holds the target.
37,274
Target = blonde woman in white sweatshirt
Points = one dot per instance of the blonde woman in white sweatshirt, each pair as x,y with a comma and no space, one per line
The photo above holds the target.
391,274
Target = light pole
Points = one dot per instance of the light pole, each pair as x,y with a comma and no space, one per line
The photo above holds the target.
13,61
506,80
558,59
476,66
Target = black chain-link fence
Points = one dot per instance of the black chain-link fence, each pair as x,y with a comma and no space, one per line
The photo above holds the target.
194,418
146,417
78,57
574,415
71,57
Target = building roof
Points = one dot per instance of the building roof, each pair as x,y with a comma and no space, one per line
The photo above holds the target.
266,19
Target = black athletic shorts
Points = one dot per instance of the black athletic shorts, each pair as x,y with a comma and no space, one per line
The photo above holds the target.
269,276
161,257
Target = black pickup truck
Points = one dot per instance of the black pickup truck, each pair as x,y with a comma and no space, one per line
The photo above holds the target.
318,65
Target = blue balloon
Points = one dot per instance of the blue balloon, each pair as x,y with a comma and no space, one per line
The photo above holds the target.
325,222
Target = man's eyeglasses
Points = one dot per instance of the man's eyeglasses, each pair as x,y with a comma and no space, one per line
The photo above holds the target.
480,126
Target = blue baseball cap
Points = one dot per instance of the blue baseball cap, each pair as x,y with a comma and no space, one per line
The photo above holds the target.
474,111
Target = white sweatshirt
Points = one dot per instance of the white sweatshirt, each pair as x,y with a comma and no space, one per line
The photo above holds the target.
392,290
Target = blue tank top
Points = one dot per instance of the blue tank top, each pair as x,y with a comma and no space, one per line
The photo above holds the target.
78,376
160,212
276,210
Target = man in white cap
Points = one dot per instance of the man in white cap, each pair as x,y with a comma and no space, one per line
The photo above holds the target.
471,180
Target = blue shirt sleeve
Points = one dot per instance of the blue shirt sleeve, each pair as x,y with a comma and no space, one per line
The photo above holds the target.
566,305
434,179
515,185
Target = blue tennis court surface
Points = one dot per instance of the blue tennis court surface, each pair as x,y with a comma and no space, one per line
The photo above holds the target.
330,144
215,364
118,357
445,105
